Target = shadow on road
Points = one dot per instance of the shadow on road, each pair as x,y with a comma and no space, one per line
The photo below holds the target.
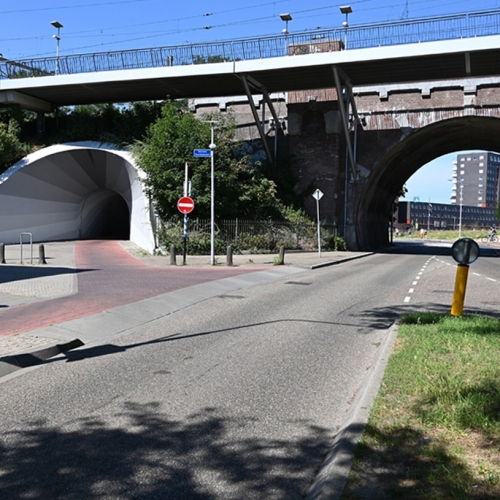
141,453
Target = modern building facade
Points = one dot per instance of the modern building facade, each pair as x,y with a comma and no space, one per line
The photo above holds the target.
475,179
418,215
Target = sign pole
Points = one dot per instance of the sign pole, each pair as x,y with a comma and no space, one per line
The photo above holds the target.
212,196
184,245
317,195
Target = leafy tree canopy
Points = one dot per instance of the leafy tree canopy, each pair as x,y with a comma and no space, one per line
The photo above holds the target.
241,190
11,149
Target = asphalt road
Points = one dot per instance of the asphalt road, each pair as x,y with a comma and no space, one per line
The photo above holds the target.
237,397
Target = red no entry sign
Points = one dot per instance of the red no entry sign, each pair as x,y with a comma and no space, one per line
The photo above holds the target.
185,205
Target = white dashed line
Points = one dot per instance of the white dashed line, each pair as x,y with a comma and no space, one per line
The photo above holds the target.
491,279
417,277
476,274
411,290
407,299
414,283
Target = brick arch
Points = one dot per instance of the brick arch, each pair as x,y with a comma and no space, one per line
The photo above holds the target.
407,155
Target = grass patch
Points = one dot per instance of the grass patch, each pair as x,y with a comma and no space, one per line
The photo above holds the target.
449,234
434,431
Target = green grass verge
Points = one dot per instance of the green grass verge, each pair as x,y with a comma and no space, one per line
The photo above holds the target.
434,431
448,234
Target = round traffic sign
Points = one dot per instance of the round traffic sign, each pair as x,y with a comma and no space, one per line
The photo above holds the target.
465,251
185,205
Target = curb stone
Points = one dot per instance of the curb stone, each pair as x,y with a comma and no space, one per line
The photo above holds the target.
331,479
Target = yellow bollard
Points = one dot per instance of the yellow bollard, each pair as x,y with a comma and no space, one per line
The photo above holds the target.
457,306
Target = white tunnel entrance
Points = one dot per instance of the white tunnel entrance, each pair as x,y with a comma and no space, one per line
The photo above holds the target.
75,191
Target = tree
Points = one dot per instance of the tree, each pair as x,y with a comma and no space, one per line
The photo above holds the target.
241,190
11,149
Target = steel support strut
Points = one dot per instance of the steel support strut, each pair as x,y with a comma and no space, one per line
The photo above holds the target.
345,120
256,116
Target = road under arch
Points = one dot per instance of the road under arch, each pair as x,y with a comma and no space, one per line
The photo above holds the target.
374,208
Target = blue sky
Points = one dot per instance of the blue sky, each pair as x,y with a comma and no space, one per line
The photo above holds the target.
103,25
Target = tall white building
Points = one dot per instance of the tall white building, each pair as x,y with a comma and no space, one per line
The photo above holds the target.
475,178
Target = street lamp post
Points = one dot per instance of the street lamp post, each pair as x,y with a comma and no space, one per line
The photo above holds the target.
212,195
58,26
346,9
286,18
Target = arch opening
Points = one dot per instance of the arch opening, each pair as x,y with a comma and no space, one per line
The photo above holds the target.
375,204
73,191
105,215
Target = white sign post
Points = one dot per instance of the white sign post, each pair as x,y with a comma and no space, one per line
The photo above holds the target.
317,195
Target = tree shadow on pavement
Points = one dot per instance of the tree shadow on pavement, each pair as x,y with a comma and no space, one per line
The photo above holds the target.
401,462
379,322
141,453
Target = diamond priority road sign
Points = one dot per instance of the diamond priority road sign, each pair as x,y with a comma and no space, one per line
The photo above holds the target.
185,205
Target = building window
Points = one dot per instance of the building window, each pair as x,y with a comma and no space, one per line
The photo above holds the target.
479,198
480,178
481,164
481,157
462,172
481,171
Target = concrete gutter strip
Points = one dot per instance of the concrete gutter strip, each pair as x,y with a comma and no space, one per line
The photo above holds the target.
331,479
10,364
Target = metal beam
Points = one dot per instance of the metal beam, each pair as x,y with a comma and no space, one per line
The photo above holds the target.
267,99
256,116
9,97
345,123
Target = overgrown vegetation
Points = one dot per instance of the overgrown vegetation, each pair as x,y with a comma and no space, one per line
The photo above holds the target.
104,123
434,431
243,189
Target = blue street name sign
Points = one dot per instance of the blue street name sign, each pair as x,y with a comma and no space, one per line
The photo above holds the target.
202,153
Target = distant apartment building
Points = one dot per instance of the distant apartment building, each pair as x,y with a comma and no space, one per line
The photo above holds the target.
418,215
475,180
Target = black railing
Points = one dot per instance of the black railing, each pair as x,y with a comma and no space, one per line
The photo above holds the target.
475,24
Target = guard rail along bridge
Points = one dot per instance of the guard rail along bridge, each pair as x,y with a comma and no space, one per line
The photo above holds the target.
384,136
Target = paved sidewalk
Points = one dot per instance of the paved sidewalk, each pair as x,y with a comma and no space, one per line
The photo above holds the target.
90,291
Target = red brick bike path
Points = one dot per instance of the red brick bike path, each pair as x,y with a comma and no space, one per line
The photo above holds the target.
108,276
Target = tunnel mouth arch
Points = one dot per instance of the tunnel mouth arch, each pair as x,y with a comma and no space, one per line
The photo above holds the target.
82,190
403,160
104,215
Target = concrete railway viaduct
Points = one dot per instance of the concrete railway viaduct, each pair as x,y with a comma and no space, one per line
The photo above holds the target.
400,107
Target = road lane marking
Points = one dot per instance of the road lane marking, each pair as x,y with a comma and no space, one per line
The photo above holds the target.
407,299
491,279
414,283
476,274
411,290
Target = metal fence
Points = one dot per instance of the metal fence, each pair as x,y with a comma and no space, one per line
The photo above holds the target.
263,234
458,26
